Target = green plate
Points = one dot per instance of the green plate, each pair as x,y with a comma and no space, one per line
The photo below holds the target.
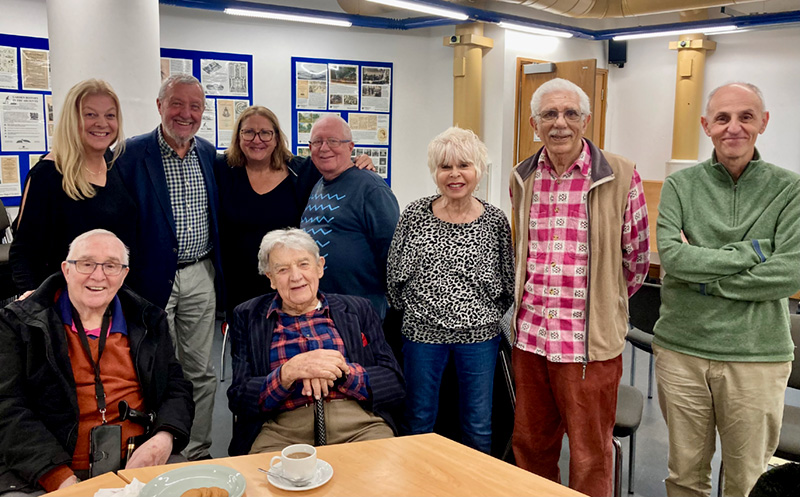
174,483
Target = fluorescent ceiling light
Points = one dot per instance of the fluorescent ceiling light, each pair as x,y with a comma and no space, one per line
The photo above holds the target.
264,14
427,9
536,31
655,34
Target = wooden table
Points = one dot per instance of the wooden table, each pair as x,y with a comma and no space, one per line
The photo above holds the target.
415,465
89,487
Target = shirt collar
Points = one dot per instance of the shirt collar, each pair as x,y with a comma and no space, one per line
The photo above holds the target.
583,162
166,149
277,303
116,325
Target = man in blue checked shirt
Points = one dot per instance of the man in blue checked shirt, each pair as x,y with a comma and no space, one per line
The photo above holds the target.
299,345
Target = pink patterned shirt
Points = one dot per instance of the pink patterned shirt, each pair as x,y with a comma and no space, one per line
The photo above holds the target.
551,320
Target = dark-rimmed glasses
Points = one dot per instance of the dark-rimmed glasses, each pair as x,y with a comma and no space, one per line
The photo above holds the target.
88,267
250,134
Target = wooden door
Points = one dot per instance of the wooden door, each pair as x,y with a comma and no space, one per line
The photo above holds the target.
580,72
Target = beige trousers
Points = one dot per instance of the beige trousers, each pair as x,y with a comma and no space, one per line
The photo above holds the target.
743,401
345,421
190,314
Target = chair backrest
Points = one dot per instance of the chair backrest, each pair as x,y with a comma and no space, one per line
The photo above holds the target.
5,222
794,379
644,306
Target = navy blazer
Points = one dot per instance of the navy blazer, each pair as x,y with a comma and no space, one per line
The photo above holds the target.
143,174
251,337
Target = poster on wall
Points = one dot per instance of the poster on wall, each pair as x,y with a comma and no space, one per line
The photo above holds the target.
8,68
376,88
370,129
21,122
360,92
343,91
9,176
224,77
48,105
305,120
208,128
35,69
311,86
170,66
379,158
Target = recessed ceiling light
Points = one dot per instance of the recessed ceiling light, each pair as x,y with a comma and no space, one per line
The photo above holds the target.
427,9
655,34
263,14
533,30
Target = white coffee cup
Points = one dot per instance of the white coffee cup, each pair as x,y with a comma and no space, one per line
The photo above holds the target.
298,461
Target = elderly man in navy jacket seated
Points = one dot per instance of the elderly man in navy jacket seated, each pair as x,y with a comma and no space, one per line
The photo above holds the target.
299,345
69,355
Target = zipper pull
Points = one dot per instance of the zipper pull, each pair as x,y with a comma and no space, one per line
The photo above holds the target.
583,374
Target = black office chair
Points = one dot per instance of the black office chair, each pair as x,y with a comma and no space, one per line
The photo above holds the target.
789,444
8,291
643,308
630,404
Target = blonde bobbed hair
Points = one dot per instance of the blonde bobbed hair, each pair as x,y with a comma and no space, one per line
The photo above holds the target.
68,150
280,156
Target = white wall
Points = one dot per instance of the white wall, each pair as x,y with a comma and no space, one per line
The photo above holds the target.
642,94
23,18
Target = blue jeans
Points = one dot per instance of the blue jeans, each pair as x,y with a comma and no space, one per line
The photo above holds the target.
423,366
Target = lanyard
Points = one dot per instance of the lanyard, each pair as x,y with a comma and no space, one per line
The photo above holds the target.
100,394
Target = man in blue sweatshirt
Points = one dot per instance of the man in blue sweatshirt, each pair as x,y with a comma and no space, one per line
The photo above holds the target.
351,214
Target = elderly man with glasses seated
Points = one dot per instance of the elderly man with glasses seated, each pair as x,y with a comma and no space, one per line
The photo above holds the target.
89,382
299,345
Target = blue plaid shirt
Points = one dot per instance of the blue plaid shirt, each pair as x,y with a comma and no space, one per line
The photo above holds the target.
189,199
294,335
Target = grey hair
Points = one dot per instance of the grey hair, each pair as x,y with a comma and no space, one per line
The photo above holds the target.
178,79
749,86
291,238
559,84
84,237
457,146
342,123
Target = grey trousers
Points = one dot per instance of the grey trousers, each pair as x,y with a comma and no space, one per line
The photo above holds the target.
191,311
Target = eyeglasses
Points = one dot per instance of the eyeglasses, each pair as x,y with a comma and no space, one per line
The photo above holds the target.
250,134
332,143
88,267
570,115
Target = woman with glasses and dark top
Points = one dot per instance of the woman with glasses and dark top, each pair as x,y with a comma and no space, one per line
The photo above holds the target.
262,187
74,188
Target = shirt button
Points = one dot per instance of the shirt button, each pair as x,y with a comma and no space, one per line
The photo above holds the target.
174,251
558,181
555,237
553,264
556,210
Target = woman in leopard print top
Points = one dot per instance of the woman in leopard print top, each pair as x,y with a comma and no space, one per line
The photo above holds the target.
451,272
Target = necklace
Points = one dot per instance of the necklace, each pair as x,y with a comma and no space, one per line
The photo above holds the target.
461,219
95,173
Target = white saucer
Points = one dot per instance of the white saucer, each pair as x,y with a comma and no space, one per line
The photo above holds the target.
322,475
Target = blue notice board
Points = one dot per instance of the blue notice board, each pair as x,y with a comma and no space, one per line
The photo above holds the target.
360,92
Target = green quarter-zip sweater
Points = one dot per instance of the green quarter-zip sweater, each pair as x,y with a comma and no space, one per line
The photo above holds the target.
725,293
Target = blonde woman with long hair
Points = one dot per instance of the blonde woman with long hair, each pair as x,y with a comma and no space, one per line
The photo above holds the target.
75,187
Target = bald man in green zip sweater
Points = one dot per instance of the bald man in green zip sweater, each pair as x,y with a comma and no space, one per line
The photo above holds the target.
729,242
